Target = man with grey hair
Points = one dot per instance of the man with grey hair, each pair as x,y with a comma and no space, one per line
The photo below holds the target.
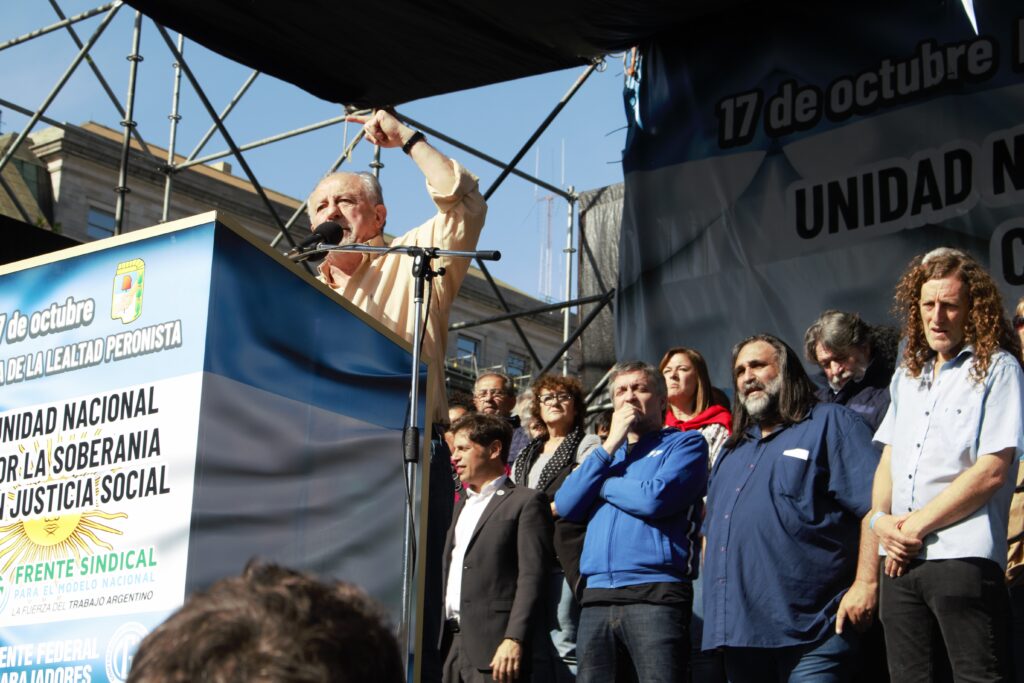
381,285
494,393
641,495
858,362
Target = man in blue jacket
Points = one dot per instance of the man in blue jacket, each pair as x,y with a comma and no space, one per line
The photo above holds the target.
641,496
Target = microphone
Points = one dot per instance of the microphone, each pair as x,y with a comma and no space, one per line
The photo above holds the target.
329,232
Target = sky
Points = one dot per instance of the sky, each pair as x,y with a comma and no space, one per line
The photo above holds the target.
581,148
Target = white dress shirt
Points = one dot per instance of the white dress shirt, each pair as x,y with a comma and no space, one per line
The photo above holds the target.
475,505
937,428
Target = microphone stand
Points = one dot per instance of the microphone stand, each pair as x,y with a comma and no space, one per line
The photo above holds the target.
421,272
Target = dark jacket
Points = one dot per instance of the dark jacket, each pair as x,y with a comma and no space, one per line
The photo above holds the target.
504,572
869,397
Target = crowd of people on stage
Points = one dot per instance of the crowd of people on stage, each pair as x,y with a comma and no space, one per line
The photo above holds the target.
852,532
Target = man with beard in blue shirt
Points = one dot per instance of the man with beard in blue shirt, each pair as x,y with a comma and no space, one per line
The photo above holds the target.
786,502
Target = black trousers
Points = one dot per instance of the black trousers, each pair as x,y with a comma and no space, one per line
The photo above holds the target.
961,604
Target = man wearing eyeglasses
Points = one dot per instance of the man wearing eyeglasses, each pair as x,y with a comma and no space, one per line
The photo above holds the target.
495,394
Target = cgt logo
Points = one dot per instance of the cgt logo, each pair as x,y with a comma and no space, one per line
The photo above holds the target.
121,649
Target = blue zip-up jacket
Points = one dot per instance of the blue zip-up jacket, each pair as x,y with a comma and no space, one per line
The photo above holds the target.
643,510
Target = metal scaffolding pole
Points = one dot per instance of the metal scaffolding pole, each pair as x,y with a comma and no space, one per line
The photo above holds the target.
521,314
224,132
259,143
541,128
579,330
569,251
376,164
28,112
174,118
103,81
60,84
505,173
480,155
223,115
54,27
129,123
598,388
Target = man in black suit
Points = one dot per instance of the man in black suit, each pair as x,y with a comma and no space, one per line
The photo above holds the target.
499,543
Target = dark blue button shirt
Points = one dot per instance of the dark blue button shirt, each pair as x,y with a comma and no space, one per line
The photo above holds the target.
782,528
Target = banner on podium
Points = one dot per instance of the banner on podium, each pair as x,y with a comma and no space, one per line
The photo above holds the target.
144,400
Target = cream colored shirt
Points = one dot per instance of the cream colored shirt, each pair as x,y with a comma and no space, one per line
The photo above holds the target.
382,285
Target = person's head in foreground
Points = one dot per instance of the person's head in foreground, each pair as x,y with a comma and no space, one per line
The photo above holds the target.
271,625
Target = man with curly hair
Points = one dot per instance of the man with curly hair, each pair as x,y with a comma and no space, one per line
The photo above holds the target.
952,437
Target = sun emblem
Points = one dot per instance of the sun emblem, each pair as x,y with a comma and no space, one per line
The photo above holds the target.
53,538
56,537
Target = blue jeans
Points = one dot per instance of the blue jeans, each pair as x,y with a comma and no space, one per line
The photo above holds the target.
832,660
656,639
567,615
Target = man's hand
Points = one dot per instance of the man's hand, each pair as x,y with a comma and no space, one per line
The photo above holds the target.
506,661
858,606
899,546
895,568
383,128
622,419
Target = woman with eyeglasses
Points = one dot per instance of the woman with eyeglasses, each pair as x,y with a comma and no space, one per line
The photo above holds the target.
694,404
543,465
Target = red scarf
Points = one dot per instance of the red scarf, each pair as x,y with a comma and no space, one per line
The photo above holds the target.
713,415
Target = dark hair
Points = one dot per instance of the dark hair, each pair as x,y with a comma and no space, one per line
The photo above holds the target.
603,419
796,396
460,399
556,383
841,332
273,625
837,331
702,399
485,429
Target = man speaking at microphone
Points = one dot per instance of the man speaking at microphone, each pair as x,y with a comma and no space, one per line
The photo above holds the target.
382,285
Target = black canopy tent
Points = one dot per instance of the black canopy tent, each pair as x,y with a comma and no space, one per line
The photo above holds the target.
392,51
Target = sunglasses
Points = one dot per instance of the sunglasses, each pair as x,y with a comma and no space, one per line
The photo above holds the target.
1018,321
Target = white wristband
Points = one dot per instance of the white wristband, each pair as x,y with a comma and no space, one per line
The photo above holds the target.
874,518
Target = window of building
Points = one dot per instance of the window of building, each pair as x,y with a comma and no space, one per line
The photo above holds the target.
467,348
517,365
100,224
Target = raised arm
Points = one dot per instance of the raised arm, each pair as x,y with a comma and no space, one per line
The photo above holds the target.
383,128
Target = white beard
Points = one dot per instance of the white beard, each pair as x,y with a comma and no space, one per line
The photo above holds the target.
759,407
